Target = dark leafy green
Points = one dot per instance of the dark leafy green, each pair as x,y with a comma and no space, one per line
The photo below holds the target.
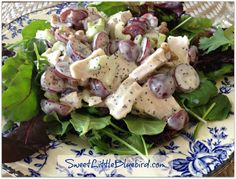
214,60
223,70
55,125
220,110
142,126
24,140
41,62
200,96
175,7
112,141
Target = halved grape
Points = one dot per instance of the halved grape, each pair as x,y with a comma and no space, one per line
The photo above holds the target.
63,68
129,50
97,88
101,40
193,54
138,21
145,49
151,19
178,120
134,30
50,81
186,78
77,50
162,85
73,16
113,46
49,106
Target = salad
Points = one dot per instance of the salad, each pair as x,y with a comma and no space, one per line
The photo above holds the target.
123,76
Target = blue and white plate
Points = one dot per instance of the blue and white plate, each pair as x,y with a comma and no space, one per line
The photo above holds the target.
182,156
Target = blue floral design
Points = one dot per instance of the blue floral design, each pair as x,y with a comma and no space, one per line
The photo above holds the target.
69,173
34,173
171,146
203,156
4,37
16,26
226,86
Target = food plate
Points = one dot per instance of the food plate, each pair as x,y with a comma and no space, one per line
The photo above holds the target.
182,156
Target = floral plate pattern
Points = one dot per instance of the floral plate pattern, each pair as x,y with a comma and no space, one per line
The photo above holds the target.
183,156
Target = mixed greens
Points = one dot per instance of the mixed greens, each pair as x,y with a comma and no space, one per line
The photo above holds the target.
45,96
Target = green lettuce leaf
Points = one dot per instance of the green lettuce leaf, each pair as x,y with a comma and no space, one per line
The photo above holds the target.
30,30
55,125
142,126
82,123
25,109
12,65
19,87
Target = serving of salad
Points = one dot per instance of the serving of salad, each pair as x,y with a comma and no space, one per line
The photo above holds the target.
123,76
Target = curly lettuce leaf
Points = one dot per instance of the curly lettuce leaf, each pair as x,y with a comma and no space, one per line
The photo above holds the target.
216,41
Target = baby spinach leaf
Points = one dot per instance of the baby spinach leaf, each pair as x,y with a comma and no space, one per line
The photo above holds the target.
200,96
82,123
220,110
55,125
30,30
142,126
